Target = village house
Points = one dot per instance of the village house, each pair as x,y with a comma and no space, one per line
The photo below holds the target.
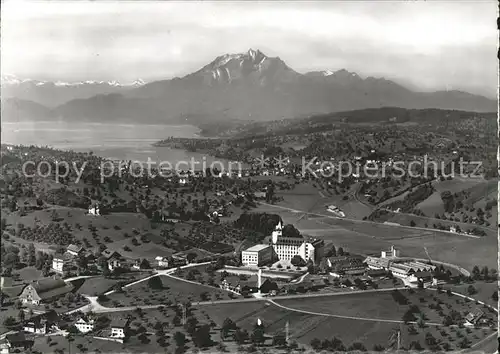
113,259
36,326
74,250
18,341
85,324
141,264
94,210
473,317
162,262
59,263
119,328
44,290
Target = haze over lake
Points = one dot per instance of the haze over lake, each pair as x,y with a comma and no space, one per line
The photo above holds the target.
115,141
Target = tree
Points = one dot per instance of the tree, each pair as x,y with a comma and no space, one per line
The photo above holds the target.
180,339
290,231
357,346
476,273
155,283
471,290
378,348
279,340
412,223
415,345
191,325
201,337
340,252
297,261
227,325
485,272
408,317
240,336
315,343
191,256
494,296
9,321
258,335
332,252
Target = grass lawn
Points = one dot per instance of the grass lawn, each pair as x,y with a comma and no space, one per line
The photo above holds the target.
174,290
100,285
484,291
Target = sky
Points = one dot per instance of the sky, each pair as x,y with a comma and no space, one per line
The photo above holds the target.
431,45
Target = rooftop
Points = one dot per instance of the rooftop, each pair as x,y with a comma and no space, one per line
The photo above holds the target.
119,323
257,248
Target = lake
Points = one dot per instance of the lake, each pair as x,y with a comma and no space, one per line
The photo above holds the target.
114,141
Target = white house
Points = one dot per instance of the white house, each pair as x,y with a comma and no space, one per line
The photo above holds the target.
94,210
85,324
119,328
59,263
37,326
162,262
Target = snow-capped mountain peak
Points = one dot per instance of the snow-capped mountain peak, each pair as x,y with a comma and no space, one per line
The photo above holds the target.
11,80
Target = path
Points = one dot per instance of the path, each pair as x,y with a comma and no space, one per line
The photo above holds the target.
348,317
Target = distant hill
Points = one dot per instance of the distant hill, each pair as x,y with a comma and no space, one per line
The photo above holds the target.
252,86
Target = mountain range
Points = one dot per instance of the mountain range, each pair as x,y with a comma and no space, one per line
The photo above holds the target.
245,86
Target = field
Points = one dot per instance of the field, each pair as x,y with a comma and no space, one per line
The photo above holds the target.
173,290
113,226
370,238
304,327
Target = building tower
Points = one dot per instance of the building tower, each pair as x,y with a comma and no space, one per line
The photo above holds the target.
278,232
259,280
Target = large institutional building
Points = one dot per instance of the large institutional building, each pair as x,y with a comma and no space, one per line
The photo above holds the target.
257,255
283,248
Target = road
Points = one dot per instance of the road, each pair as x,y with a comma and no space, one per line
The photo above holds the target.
95,307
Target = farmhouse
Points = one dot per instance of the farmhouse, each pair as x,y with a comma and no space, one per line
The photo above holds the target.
473,317
44,290
257,255
18,340
85,324
37,326
94,210
119,328
162,262
113,259
74,250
